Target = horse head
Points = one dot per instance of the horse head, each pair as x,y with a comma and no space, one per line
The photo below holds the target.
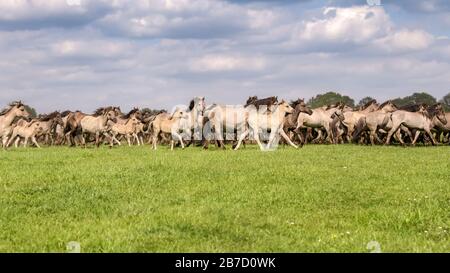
438,112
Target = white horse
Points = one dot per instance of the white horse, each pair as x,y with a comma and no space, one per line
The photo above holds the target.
267,121
223,118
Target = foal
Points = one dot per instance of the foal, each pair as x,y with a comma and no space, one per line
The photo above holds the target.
128,130
26,130
165,123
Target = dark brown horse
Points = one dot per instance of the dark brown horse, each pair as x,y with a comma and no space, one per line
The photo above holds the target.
267,102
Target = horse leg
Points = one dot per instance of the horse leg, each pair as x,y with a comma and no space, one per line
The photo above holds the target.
433,140
178,136
136,137
391,132
319,136
283,134
256,136
128,140
4,141
11,139
398,136
33,139
155,139
16,143
271,139
25,143
415,138
241,138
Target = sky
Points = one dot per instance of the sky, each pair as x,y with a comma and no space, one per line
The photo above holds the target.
82,54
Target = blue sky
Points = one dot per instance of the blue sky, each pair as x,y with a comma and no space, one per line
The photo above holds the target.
80,54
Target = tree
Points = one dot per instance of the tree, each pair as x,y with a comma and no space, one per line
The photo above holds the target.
330,98
31,111
364,100
445,101
416,98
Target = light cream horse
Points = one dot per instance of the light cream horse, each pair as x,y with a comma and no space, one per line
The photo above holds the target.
128,130
265,121
25,130
421,120
7,116
97,124
169,124
321,117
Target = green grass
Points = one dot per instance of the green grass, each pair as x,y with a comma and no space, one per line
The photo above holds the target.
321,198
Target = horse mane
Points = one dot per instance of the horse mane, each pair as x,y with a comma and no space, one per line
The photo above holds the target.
386,102
411,107
294,103
100,111
368,104
133,111
49,116
33,121
191,105
335,105
433,110
11,106
16,120
65,113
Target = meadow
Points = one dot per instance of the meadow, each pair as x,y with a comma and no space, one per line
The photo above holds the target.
321,198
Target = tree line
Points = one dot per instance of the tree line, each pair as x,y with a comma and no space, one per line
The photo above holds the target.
416,98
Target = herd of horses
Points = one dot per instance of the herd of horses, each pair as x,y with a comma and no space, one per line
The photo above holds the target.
267,122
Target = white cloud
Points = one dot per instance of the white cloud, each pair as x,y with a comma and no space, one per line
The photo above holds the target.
404,40
216,63
355,24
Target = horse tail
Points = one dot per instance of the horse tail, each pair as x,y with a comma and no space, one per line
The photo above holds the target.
359,128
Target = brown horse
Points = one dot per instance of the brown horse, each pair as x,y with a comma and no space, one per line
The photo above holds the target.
290,121
266,102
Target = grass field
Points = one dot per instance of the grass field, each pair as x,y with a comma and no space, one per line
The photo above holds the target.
321,198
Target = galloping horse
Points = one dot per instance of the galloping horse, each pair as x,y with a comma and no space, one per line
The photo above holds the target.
321,117
268,121
97,124
194,120
378,119
49,123
352,117
421,120
290,121
128,130
26,130
165,123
